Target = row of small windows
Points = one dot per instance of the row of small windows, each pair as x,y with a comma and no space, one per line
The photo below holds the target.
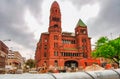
70,54
55,45
68,41
55,53
83,47
82,31
65,54
55,63
56,19
11,58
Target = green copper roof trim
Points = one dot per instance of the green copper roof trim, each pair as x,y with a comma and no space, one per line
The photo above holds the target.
81,23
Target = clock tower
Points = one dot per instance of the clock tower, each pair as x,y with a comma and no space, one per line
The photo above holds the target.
55,18
83,42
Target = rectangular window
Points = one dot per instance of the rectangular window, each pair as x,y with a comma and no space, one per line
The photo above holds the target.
56,63
45,40
84,47
45,47
55,45
55,53
55,37
83,40
45,54
56,19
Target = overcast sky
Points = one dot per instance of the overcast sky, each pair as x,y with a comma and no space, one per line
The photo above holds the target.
23,21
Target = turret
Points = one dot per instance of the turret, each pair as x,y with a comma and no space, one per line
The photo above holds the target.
55,30
81,28
55,18
83,42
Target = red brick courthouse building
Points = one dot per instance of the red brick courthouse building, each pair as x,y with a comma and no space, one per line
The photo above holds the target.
62,49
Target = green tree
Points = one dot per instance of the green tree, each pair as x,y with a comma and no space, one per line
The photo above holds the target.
101,41
109,49
30,63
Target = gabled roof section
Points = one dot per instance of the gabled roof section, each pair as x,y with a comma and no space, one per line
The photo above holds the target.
80,23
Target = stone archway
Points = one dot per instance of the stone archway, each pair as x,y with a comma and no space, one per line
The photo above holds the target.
71,63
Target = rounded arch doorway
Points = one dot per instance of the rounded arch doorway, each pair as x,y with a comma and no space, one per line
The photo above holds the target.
71,63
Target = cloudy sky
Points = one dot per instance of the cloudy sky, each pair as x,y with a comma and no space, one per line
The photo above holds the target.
23,21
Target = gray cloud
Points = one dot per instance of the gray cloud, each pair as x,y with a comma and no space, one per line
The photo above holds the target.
108,19
12,25
80,3
35,7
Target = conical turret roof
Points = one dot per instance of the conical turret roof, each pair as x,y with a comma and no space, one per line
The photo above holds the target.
81,23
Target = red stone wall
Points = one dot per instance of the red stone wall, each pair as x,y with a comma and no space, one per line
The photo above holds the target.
69,46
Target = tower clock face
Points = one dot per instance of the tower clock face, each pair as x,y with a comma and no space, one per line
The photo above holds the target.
77,33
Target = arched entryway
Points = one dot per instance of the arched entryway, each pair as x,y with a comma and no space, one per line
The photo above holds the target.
71,63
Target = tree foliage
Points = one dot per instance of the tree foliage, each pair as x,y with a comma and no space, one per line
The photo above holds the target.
109,49
30,63
101,41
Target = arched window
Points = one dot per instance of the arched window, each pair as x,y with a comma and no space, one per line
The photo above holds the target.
56,63
45,55
55,19
55,26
